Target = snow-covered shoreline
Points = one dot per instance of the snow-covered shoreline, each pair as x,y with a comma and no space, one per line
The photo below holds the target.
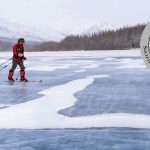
94,53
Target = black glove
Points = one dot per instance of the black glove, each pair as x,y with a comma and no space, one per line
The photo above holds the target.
24,58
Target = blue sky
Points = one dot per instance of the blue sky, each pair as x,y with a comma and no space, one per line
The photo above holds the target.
73,14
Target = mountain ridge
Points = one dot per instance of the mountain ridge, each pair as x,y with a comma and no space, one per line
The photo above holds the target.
11,30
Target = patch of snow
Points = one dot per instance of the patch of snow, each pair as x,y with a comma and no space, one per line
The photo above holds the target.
46,68
3,105
82,70
129,63
110,59
42,112
90,66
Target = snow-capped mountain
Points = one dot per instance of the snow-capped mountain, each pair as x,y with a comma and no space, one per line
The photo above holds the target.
87,30
12,30
96,28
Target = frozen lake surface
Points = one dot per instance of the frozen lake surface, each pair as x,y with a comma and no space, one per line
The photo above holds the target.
87,100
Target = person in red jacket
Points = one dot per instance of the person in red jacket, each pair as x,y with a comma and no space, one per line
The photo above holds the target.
18,59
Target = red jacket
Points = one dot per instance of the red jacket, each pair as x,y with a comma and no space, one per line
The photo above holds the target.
18,52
